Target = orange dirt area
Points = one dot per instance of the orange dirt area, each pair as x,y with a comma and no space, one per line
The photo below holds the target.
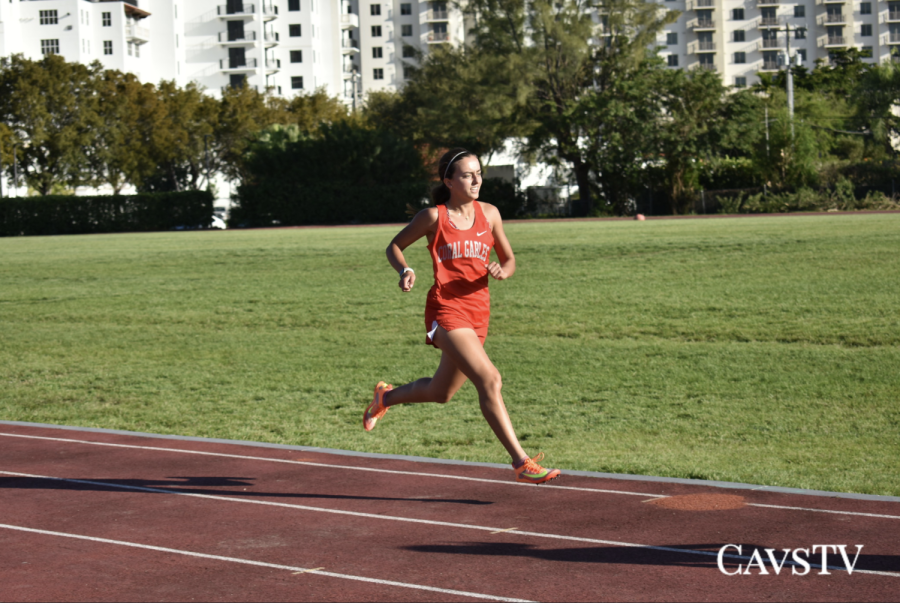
700,502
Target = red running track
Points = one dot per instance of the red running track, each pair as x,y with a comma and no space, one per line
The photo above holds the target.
104,516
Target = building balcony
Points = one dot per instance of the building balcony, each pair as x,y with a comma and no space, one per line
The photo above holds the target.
229,66
136,34
893,38
834,41
247,38
895,58
273,66
833,19
349,21
246,85
349,46
706,66
767,2
438,37
769,66
269,13
701,4
437,15
830,1
236,11
771,43
347,71
703,24
698,47
768,22
892,15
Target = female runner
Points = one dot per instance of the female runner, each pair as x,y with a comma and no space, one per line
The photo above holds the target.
461,232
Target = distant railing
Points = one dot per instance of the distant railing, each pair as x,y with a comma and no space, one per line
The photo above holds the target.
245,36
706,66
832,18
893,15
770,43
768,21
236,9
237,64
706,46
836,41
438,36
770,66
347,43
894,39
436,15
703,3
704,24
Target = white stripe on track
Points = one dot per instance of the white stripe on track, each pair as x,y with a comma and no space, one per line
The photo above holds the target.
422,521
416,473
329,466
161,549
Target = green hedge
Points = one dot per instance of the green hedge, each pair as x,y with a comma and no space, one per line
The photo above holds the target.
65,214
286,203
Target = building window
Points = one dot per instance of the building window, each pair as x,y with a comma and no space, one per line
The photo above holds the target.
48,17
802,53
740,82
294,30
865,52
107,46
376,31
865,8
137,50
672,60
406,8
49,46
408,71
671,38
737,14
107,19
866,31
374,9
130,49
293,5
738,35
297,82
378,74
406,30
296,56
409,52
237,80
740,58
800,10
800,34
377,52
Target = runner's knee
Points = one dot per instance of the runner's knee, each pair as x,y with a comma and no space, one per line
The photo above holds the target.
492,383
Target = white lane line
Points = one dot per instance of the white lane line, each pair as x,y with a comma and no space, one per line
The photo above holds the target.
296,570
823,511
422,521
329,466
421,474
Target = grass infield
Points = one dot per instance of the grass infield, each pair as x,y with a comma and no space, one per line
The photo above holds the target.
761,350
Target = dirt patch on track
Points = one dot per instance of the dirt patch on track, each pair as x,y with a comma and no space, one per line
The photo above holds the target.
700,502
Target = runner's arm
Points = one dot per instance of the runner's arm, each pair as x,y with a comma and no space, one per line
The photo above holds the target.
507,265
421,225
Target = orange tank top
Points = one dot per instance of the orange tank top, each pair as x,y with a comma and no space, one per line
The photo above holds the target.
460,259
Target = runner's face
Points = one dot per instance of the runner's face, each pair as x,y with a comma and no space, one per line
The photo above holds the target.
466,179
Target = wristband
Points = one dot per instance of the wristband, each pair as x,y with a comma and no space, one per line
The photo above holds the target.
405,270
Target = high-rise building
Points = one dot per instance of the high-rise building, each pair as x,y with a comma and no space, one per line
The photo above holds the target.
287,46
741,38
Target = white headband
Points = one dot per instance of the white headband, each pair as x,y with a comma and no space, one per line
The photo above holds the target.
452,160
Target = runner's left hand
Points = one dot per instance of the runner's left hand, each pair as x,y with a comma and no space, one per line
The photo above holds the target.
496,271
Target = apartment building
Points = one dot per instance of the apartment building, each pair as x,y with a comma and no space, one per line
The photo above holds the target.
347,47
741,38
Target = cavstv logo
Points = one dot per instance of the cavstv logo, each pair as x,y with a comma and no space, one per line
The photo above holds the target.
797,559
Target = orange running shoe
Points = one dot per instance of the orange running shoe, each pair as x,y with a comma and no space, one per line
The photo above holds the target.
376,409
532,473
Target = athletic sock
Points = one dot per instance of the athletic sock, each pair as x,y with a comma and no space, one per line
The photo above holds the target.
520,462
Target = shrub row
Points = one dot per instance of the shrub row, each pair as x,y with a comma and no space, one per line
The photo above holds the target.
66,214
289,203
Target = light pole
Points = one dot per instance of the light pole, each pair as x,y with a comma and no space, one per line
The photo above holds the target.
206,150
789,64
16,169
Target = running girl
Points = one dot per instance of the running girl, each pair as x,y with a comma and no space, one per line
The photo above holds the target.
461,232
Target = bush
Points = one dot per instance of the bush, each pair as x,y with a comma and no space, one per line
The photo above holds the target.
65,214
504,195
345,175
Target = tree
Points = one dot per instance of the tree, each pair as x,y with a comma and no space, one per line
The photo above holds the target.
131,119
51,108
876,101
545,47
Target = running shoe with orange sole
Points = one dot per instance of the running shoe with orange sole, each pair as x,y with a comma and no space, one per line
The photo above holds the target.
376,409
532,473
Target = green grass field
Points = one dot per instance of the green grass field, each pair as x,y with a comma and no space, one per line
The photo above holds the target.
762,350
